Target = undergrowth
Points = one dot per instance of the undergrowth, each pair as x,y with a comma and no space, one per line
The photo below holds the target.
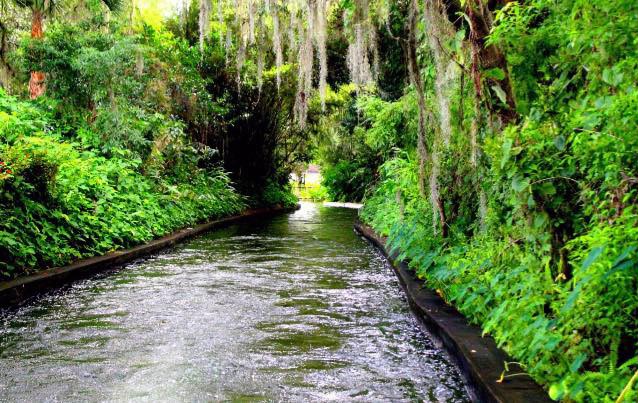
61,200
577,336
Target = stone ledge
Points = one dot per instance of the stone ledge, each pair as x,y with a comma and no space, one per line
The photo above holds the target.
16,291
479,358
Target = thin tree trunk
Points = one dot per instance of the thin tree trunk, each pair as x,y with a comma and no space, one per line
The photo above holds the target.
487,57
37,83
5,69
415,78
131,17
474,162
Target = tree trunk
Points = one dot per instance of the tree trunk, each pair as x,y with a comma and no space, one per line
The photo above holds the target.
37,84
489,57
5,69
415,78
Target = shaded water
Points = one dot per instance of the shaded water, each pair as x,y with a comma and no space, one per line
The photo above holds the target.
292,308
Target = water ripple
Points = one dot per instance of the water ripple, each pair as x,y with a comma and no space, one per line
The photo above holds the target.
293,308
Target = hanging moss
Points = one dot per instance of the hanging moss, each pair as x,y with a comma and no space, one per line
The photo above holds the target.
305,23
321,33
205,8
279,58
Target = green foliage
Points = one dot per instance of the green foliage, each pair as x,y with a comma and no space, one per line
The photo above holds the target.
49,5
60,202
19,118
124,148
349,163
95,73
346,181
550,270
275,194
540,216
570,333
312,192
388,124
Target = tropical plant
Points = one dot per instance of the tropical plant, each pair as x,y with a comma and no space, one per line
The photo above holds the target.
40,9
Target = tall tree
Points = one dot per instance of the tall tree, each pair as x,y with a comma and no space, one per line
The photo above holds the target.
489,58
39,9
4,66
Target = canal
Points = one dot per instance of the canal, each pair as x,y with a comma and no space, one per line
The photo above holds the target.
292,308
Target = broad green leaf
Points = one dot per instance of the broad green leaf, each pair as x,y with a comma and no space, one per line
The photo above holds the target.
507,148
591,258
519,183
539,220
559,142
556,391
578,361
500,93
547,188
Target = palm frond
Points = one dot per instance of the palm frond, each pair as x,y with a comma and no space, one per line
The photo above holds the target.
45,6
113,5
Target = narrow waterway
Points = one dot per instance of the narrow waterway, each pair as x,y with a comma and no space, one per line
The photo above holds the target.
291,308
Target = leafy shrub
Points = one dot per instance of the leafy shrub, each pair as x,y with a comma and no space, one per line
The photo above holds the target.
60,202
541,246
581,339
33,171
347,181
312,192
275,194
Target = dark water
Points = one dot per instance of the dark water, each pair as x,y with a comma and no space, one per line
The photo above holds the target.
294,308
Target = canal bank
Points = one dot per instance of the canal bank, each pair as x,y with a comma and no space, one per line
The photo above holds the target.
296,307
15,291
480,359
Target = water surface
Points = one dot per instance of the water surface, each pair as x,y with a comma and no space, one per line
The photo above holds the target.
291,308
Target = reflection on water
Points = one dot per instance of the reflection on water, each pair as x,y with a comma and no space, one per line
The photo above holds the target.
297,307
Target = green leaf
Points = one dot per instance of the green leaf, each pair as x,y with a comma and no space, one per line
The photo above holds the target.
612,77
556,391
507,148
539,220
628,363
495,73
578,362
622,262
591,258
547,188
500,93
559,142
519,183
573,296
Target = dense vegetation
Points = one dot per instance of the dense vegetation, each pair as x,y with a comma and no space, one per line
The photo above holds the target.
63,199
493,143
527,225
138,135
516,199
